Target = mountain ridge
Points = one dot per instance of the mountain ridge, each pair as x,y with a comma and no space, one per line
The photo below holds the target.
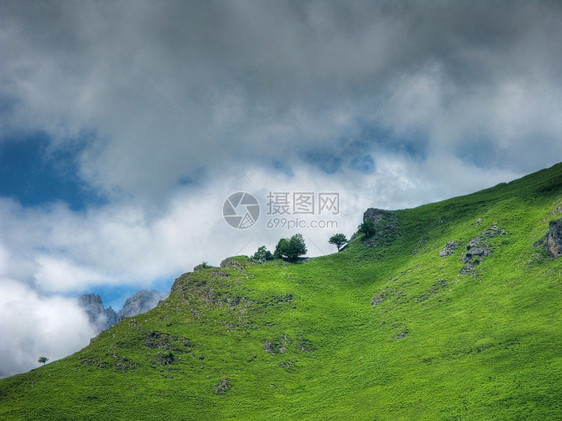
103,318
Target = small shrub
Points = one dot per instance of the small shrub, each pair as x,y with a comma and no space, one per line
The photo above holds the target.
262,255
367,228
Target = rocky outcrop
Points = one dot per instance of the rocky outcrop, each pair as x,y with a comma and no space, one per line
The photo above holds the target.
102,318
385,224
478,248
449,249
552,241
223,386
554,238
493,231
377,215
475,251
140,303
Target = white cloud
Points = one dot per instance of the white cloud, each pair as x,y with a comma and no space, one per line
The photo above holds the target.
32,326
55,273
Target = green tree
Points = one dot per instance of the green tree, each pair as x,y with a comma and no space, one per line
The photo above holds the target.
290,249
367,228
42,360
297,247
262,255
338,240
281,249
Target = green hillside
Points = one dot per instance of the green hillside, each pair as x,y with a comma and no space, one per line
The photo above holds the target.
385,329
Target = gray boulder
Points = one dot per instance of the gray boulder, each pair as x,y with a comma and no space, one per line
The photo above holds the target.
449,249
476,248
377,215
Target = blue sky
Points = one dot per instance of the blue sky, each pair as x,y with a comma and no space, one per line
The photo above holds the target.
35,176
124,126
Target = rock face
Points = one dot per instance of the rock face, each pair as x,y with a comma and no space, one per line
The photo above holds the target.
102,318
554,238
552,241
378,215
386,226
141,302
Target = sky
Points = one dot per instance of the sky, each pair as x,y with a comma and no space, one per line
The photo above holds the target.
125,126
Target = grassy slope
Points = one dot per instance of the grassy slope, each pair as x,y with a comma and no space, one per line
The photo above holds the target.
476,347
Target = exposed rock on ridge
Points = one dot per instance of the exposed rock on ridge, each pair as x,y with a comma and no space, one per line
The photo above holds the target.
386,226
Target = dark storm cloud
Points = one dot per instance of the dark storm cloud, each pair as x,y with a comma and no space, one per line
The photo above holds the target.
270,79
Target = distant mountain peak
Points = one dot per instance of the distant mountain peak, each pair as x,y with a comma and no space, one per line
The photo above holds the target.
103,318
141,302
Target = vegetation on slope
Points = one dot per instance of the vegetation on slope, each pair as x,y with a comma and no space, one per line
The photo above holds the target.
386,329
